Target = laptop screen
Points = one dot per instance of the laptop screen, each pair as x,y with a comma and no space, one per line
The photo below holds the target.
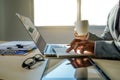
33,32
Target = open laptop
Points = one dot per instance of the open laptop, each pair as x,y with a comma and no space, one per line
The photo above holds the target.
49,48
44,47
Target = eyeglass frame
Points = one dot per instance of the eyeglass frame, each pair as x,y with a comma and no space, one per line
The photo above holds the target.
35,60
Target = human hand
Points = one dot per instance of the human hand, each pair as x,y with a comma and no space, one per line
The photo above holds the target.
80,62
84,46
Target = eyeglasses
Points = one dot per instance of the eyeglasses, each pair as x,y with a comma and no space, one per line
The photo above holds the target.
32,62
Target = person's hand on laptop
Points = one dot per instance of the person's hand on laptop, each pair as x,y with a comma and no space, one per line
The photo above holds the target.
80,62
82,47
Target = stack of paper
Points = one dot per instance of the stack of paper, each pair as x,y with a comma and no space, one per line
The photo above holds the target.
17,47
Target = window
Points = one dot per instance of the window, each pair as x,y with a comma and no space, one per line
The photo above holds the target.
64,12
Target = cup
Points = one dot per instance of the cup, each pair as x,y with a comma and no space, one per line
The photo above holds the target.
82,27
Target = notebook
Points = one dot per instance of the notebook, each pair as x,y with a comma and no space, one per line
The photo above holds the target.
44,47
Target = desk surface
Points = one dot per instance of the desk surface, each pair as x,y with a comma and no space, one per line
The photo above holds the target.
10,68
110,67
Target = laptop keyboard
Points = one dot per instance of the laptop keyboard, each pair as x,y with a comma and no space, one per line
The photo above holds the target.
56,46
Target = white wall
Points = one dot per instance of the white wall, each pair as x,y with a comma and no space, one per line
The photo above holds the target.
1,19
10,26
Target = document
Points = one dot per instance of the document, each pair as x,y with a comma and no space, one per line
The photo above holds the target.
17,47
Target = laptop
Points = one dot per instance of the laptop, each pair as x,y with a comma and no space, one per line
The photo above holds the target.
44,47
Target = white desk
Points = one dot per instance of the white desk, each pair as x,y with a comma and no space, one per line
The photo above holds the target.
110,67
10,68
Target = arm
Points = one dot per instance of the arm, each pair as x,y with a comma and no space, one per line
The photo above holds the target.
105,36
106,46
111,47
109,29
107,49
